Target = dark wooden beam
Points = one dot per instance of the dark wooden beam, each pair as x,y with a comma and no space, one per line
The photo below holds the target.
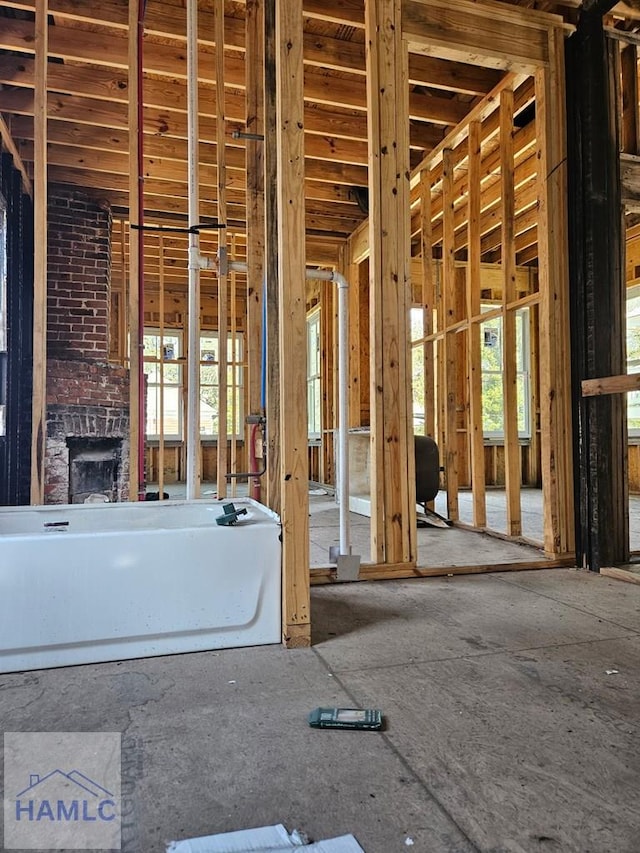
597,296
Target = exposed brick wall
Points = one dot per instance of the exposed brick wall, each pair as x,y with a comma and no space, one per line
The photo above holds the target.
86,396
84,399
86,384
79,261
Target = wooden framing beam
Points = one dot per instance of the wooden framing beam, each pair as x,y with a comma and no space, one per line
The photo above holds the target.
39,397
629,99
223,278
9,144
428,302
134,307
293,329
272,295
450,317
490,34
555,380
509,365
611,385
166,20
474,343
254,151
99,97
166,60
393,522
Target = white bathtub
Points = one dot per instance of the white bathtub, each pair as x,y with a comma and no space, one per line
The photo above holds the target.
99,582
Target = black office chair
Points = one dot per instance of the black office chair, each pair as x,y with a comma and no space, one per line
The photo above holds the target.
428,480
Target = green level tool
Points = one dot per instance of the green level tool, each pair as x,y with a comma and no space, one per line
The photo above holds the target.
346,718
229,515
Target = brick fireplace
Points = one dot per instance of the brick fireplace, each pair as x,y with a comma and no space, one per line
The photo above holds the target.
87,398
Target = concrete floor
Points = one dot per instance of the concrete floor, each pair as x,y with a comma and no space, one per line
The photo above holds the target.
505,733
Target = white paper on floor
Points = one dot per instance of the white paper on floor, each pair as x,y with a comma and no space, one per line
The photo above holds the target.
265,839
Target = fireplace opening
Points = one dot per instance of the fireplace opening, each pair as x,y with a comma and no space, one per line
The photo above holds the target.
94,468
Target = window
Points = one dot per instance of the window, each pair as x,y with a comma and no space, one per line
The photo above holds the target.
164,383
314,398
164,365
209,390
492,370
633,357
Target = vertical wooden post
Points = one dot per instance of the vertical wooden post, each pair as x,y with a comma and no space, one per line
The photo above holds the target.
509,366
293,329
223,278
355,379
254,74
327,377
274,496
39,401
234,373
161,310
629,97
555,380
428,301
135,236
449,318
474,345
124,297
393,507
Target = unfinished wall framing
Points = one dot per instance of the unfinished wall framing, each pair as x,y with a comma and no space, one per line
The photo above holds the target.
310,143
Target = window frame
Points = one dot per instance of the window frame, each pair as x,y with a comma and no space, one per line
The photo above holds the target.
522,373
150,331
237,366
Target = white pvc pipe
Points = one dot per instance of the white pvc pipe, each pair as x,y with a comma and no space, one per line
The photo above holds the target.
343,401
193,353
343,393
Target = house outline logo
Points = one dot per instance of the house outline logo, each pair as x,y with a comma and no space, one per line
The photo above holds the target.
49,799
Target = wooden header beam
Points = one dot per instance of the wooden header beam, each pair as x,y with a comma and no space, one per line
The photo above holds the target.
491,34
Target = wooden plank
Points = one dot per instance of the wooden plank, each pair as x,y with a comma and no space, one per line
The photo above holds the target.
274,494
474,344
134,307
509,362
355,378
449,318
555,383
168,21
124,294
488,35
375,84
392,466
293,329
611,385
630,574
328,367
233,309
167,60
255,201
629,97
39,393
223,278
161,302
428,302
9,144
386,571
